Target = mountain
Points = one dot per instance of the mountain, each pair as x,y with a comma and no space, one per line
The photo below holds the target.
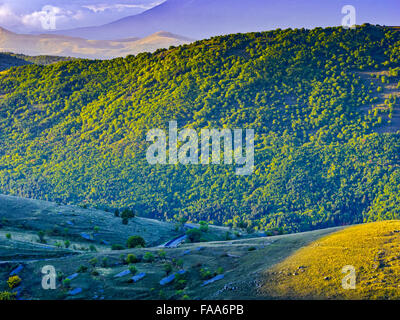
201,19
50,44
7,61
323,103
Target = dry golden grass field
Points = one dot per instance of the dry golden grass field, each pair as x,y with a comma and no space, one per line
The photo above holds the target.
315,271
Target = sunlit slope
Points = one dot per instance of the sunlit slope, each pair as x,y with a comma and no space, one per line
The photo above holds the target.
316,270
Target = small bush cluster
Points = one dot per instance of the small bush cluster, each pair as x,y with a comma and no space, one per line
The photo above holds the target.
135,242
6,296
14,282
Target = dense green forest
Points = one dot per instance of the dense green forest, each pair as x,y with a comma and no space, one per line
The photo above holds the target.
323,104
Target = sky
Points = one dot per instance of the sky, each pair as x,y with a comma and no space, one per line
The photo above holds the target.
25,16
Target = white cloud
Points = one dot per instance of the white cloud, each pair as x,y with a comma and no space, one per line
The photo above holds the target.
7,16
27,15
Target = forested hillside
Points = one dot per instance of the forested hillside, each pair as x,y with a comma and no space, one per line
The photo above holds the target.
323,103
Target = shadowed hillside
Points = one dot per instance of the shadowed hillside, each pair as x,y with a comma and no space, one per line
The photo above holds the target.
8,60
77,242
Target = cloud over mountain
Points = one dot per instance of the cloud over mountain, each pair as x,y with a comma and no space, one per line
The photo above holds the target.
24,16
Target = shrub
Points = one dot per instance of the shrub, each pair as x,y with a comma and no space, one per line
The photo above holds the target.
205,274
14,281
41,235
67,243
179,292
93,261
162,295
58,244
194,235
8,236
82,269
203,226
127,213
180,282
5,296
135,241
66,283
92,248
117,246
179,263
104,262
161,254
167,268
148,257
95,273
131,258
116,213
133,269
60,276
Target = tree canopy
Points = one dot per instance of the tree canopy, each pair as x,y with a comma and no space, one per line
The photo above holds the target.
326,147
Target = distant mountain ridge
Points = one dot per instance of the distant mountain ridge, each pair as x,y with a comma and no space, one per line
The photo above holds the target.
59,45
8,60
202,19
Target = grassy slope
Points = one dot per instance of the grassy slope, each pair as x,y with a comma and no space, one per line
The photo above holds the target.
242,267
371,248
25,217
